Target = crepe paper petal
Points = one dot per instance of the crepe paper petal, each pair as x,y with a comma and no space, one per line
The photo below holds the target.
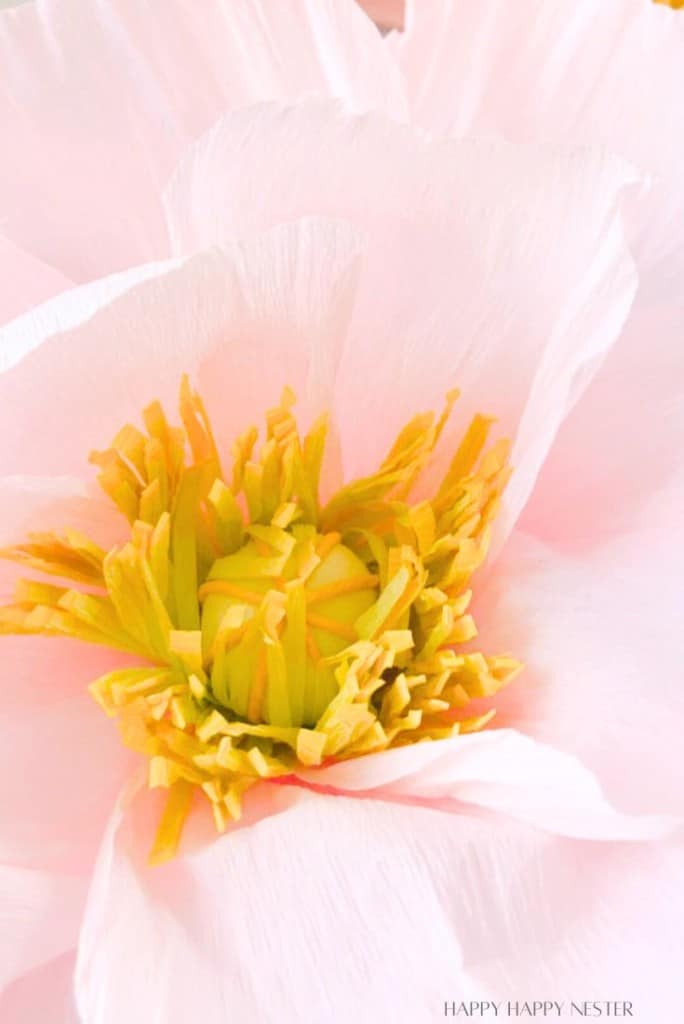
272,308
500,770
45,993
602,642
123,87
32,282
631,462
41,915
440,906
609,76
532,236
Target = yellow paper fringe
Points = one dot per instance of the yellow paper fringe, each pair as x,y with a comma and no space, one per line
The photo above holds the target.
274,633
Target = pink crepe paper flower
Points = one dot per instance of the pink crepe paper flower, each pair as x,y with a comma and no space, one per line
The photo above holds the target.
222,222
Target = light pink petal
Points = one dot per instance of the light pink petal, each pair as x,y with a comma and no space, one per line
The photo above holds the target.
607,74
61,760
25,280
271,311
62,765
502,771
599,629
617,463
32,504
68,309
44,994
97,100
40,916
29,504
496,268
243,323
341,909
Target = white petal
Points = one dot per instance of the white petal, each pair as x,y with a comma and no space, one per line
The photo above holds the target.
341,909
500,770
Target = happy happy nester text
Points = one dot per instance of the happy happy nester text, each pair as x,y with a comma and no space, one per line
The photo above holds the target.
537,1008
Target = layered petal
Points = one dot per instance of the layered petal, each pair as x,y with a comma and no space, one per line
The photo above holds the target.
31,504
495,268
106,95
44,994
61,763
243,323
68,309
61,768
406,909
609,74
500,770
621,445
509,276
40,917
28,503
32,282
599,626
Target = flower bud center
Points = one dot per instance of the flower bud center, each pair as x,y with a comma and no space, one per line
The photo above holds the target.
313,589
270,631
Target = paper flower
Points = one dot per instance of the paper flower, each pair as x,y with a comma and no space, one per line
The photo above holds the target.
281,628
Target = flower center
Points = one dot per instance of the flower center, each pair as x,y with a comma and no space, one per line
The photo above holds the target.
302,590
272,632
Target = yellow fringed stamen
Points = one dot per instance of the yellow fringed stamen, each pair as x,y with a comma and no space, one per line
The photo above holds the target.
326,544
230,590
331,626
273,632
342,587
